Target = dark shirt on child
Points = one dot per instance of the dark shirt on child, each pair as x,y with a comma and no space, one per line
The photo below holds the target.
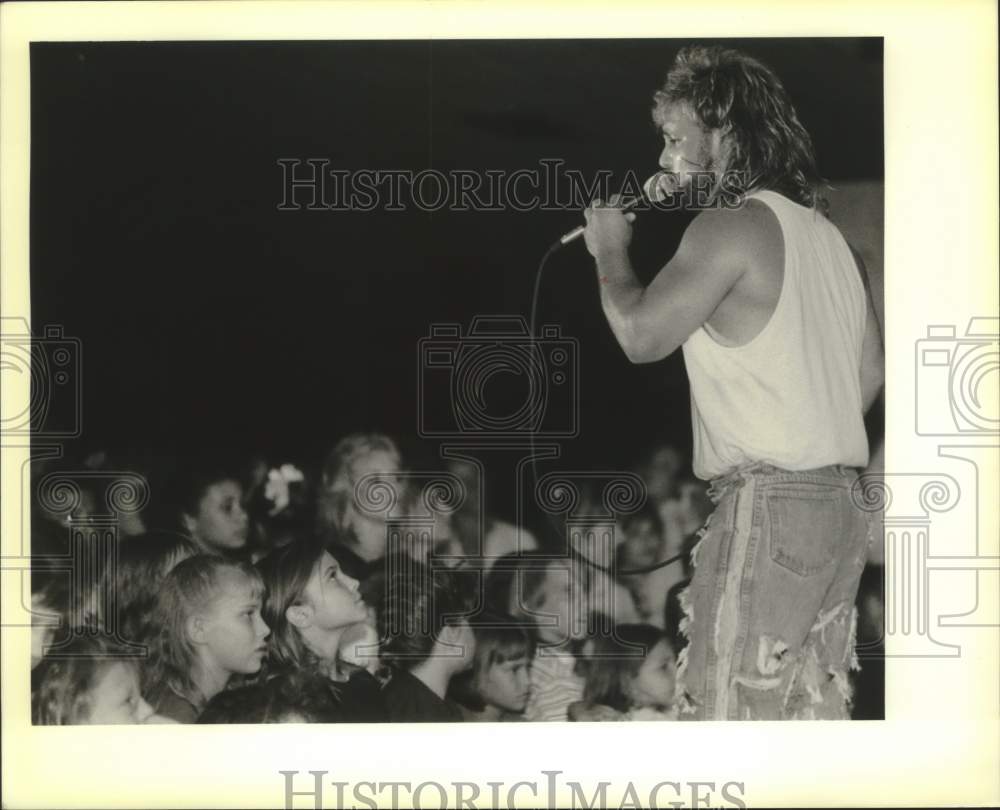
409,700
176,708
360,699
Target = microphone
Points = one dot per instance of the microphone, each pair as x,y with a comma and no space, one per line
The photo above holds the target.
652,191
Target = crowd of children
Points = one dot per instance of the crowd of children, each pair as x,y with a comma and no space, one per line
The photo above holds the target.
249,596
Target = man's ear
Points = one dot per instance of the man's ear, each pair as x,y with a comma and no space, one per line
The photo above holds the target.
195,628
299,616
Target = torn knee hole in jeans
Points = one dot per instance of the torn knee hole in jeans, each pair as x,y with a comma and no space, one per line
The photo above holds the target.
772,655
773,658
811,685
835,633
806,679
838,613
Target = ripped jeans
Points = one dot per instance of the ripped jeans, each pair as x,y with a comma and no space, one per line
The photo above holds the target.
769,614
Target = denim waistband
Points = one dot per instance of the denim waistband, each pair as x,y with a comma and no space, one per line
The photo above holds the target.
720,485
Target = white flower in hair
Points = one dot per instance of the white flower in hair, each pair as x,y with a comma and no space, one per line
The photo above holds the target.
277,488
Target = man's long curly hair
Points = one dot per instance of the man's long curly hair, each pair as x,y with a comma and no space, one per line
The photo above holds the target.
767,146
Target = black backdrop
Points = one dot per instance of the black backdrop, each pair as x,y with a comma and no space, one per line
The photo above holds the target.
207,315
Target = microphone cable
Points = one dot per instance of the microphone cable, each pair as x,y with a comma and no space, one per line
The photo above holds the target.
576,554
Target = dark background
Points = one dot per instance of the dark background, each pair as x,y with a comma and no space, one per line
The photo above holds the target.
209,317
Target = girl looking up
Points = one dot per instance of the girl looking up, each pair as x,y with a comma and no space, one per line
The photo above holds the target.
313,608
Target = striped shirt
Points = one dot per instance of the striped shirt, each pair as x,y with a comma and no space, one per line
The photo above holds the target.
554,685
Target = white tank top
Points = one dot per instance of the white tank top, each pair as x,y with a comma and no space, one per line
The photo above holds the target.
790,397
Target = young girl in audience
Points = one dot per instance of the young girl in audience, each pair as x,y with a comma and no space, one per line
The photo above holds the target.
498,685
552,598
208,499
425,642
644,546
210,629
356,536
84,685
312,608
630,675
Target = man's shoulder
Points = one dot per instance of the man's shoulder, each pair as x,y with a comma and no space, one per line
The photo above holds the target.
725,230
725,244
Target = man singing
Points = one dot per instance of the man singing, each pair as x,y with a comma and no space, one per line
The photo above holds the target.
784,356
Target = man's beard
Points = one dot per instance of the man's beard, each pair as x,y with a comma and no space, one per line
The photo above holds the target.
706,183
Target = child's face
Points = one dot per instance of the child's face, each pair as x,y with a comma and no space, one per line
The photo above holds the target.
662,472
234,631
221,522
369,527
376,462
692,497
333,596
653,684
507,685
649,592
644,539
115,699
561,593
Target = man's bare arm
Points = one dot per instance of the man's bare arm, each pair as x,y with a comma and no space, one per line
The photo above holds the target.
652,322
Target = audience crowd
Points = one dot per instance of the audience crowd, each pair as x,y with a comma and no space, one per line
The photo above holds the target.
252,593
